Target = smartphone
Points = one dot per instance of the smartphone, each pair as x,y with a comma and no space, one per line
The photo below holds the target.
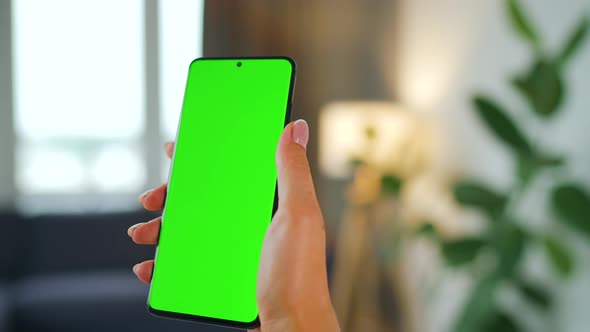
222,190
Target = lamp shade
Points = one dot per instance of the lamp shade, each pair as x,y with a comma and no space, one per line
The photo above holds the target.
368,131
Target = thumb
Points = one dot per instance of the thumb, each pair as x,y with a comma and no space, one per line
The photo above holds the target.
294,177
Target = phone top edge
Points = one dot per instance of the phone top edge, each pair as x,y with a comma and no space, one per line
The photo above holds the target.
270,57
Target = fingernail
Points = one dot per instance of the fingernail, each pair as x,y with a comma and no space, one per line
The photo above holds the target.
135,268
132,229
144,195
300,133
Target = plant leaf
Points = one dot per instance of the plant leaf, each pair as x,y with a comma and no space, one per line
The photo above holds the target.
427,229
462,251
355,162
572,204
510,242
525,170
535,294
500,321
521,24
549,160
574,42
479,307
501,125
527,167
391,184
473,194
542,87
558,255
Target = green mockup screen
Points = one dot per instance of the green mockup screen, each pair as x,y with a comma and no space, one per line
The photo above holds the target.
222,188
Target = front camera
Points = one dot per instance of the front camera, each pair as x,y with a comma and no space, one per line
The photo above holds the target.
239,64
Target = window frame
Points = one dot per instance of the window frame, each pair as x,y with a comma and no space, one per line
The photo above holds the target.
7,167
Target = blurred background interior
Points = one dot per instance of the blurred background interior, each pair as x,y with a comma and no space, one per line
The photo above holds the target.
449,148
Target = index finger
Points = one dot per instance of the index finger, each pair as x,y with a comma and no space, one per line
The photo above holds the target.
169,148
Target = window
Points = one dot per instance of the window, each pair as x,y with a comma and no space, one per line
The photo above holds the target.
181,31
79,74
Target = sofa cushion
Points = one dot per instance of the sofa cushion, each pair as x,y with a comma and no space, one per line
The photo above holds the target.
75,243
5,308
14,246
101,301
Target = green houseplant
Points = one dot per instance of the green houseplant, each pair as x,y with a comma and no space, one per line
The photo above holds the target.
505,237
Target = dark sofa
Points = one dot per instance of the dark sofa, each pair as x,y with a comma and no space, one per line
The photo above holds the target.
73,273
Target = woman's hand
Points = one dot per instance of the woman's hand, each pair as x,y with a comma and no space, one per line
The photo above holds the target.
292,287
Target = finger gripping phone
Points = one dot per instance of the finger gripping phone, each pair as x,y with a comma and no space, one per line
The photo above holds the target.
222,190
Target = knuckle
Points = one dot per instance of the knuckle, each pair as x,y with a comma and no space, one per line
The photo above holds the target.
295,158
303,216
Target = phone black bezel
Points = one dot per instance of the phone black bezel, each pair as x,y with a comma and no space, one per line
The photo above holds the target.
216,321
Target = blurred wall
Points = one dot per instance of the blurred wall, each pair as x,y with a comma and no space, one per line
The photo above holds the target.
336,44
448,50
